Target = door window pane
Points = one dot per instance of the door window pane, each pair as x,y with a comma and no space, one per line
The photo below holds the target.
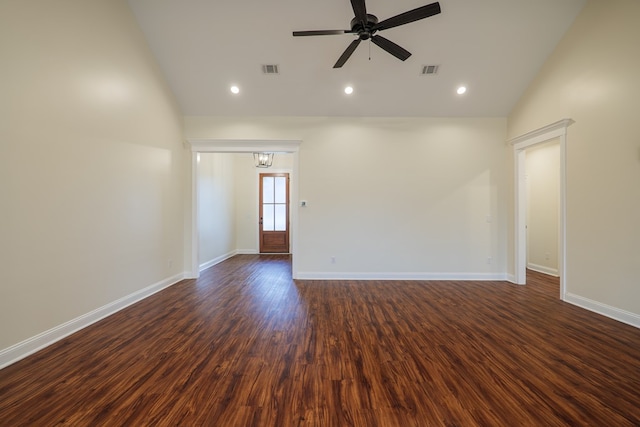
268,220
281,189
267,189
281,217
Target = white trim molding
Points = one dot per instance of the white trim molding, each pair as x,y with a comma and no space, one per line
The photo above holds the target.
543,134
520,144
543,269
247,252
243,145
604,309
217,260
31,345
401,276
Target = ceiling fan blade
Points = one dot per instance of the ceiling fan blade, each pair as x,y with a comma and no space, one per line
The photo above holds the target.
391,47
347,53
410,16
360,10
320,32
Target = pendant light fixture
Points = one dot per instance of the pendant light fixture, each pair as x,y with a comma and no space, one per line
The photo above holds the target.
263,160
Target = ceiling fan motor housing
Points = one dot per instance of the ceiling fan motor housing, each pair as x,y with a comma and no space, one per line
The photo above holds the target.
364,32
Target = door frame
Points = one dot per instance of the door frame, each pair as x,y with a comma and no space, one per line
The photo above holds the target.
289,210
210,145
520,144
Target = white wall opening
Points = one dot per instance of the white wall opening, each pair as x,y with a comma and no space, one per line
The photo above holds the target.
241,146
520,144
543,212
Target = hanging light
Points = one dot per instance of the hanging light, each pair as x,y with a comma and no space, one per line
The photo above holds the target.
263,160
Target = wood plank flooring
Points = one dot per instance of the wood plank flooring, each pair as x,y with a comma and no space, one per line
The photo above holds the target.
245,345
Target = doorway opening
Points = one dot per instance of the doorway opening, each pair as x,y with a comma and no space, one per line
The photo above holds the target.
274,213
520,144
240,146
543,196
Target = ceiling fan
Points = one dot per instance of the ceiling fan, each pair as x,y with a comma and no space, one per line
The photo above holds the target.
366,26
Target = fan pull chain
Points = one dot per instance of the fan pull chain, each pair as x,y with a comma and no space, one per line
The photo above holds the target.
369,49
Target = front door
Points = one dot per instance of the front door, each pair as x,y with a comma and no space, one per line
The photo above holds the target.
274,212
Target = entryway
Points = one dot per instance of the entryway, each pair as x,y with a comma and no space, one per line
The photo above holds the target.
242,146
520,144
274,213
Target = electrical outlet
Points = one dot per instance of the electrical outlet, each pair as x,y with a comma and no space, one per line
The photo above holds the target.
333,260
169,263
489,260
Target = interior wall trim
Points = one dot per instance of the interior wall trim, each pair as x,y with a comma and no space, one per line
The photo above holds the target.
604,309
217,260
520,144
543,269
402,276
31,345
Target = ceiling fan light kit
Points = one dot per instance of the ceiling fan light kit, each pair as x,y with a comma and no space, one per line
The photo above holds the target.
365,26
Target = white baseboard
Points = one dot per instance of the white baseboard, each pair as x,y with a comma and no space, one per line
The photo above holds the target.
304,275
226,256
604,309
217,260
542,269
31,345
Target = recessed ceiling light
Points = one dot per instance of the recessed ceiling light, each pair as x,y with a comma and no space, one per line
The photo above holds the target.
235,90
348,90
461,90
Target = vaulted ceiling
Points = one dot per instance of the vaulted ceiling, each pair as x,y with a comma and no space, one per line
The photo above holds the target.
493,47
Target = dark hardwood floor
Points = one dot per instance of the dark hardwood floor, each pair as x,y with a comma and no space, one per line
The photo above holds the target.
246,346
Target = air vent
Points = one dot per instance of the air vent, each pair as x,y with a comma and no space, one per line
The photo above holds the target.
270,69
428,70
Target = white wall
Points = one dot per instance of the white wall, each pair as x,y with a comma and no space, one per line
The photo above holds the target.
592,77
91,164
391,197
543,195
216,208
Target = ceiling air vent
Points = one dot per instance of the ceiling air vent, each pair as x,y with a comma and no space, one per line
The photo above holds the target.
428,70
270,69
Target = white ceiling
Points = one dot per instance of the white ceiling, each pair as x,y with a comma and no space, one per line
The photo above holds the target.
495,47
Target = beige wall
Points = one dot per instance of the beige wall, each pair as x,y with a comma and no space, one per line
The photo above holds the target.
592,77
543,195
391,197
216,207
246,186
91,164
